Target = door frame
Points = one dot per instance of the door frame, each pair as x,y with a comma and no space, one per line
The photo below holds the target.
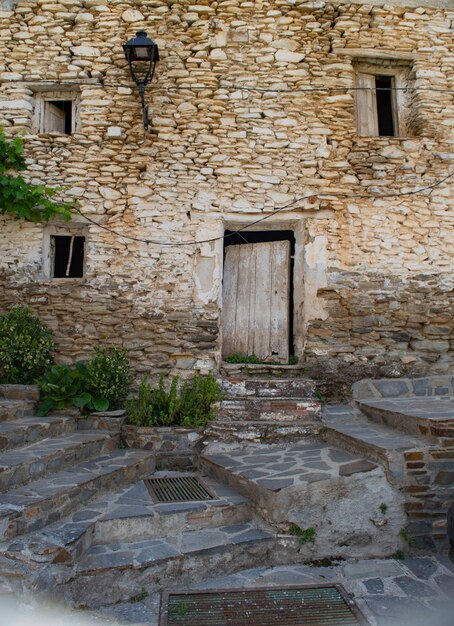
297,227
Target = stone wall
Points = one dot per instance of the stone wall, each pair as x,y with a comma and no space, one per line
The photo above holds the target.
375,275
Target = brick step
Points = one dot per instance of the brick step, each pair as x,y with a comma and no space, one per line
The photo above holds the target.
246,387
347,429
46,500
20,432
262,370
118,572
20,465
260,431
129,514
286,409
20,392
14,409
429,417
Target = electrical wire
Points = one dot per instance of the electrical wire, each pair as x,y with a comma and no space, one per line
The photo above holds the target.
234,87
324,196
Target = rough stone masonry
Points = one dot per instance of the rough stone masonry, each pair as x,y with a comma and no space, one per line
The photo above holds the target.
373,277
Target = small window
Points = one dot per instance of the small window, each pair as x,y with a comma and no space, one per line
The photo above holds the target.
57,112
382,101
67,256
58,116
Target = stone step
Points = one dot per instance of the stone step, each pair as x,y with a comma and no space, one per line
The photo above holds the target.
261,370
20,432
428,417
20,465
314,486
260,431
246,387
376,442
14,409
20,392
275,409
46,500
117,572
129,515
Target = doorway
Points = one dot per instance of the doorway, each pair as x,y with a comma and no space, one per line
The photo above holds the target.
258,301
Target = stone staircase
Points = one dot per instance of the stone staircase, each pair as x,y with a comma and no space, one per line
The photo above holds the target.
408,427
265,410
78,521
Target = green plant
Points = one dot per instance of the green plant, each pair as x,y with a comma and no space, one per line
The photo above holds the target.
253,359
323,430
26,346
305,535
108,375
399,555
320,397
383,508
190,404
34,203
406,536
64,386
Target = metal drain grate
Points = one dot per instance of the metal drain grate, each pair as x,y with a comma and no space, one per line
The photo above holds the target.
288,606
178,489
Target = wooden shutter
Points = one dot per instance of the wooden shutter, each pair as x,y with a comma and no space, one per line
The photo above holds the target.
54,119
366,105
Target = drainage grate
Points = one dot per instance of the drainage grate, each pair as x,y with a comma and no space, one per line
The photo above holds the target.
178,489
289,606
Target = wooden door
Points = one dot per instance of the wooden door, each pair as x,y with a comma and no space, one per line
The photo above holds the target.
256,300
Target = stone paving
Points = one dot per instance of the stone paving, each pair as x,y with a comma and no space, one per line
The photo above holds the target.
417,591
281,467
431,408
131,506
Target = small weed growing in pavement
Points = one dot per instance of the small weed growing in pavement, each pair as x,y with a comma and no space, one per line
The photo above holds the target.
320,397
383,508
308,534
405,536
399,555
323,430
140,596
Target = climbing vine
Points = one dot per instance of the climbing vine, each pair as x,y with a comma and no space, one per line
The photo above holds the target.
34,203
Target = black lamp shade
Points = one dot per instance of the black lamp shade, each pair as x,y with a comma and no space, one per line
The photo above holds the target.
141,48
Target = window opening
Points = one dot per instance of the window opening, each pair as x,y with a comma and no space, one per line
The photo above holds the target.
58,116
68,256
384,98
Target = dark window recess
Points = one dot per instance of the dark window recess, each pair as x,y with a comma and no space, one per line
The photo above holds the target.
68,256
66,106
385,111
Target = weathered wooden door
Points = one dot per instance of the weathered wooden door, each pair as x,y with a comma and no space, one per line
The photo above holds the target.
256,300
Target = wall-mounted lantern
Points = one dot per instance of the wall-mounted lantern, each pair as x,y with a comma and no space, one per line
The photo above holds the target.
142,54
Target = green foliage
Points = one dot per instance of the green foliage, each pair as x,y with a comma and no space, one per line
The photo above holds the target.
406,536
26,346
190,404
254,360
109,375
34,203
323,430
308,534
100,384
383,508
399,555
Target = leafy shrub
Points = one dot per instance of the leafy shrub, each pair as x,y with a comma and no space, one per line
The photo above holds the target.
26,346
109,376
190,404
64,386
